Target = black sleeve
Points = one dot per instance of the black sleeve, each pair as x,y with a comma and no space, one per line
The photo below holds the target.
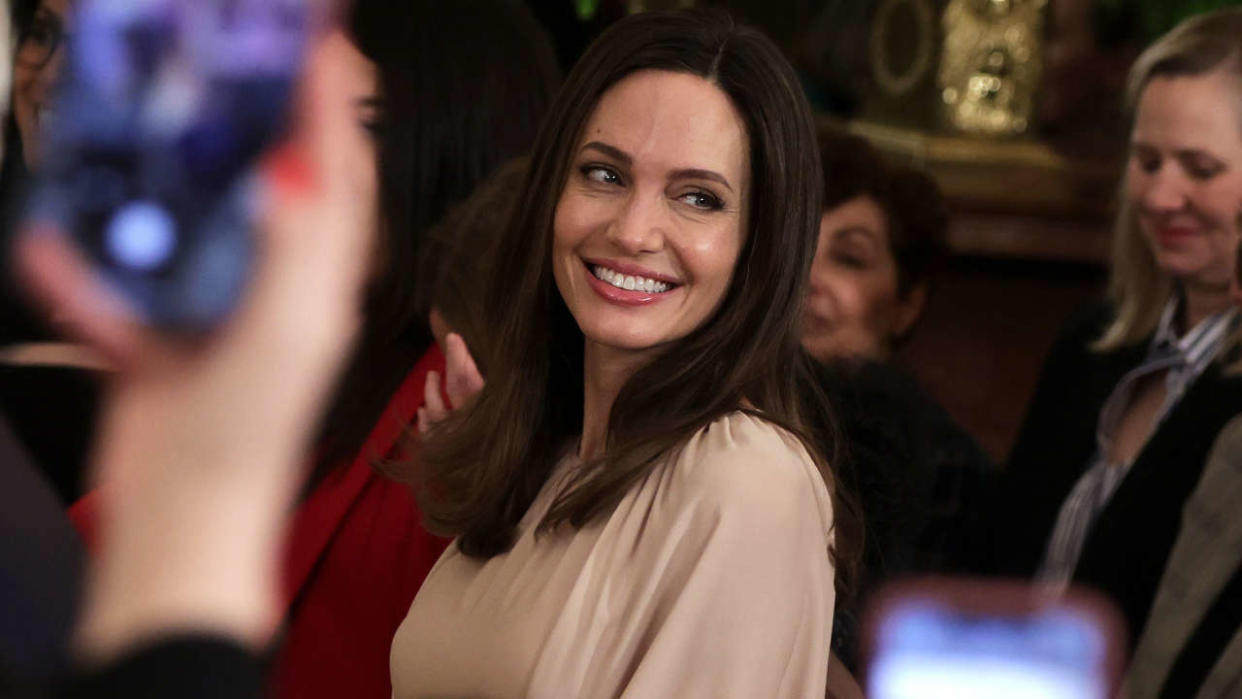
185,667
41,566
962,486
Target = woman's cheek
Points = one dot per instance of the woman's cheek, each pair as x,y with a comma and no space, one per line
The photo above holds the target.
852,297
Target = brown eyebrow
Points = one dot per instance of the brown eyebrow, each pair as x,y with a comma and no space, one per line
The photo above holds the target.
1181,154
1196,154
685,173
859,231
610,151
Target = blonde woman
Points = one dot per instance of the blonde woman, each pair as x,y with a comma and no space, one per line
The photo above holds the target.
1134,391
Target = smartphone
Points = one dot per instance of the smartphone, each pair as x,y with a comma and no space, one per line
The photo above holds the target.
159,120
971,639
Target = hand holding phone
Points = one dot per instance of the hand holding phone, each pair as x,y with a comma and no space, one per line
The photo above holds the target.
151,149
202,443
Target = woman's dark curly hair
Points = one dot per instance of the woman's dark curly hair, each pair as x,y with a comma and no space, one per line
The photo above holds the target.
914,208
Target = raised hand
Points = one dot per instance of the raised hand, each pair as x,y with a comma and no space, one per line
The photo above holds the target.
201,442
463,382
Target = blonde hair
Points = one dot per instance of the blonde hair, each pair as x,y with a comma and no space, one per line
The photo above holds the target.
1138,288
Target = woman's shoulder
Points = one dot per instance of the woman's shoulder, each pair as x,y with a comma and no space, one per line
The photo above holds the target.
743,462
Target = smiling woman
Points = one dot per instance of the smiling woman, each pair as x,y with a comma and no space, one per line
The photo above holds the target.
635,508
650,202
882,239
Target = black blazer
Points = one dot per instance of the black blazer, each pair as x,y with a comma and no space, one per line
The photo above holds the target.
1125,553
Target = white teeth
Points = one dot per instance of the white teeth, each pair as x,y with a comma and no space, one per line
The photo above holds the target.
629,283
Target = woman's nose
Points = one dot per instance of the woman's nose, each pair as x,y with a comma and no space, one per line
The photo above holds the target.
1165,191
640,225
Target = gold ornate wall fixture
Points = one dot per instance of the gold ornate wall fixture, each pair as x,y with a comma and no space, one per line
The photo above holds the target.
903,56
903,45
991,64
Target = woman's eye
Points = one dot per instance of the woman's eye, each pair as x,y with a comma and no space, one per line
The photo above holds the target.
39,34
372,121
846,259
372,116
702,200
1147,164
1200,169
599,174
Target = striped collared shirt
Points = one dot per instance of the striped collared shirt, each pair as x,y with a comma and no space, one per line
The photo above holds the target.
1184,359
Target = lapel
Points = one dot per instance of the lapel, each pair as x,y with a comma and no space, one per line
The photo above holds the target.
1178,450
1127,551
323,513
1206,554
1086,390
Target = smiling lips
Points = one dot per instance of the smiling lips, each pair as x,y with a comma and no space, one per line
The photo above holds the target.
629,282
626,289
1174,235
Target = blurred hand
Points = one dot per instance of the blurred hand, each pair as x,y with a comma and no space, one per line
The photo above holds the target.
201,441
463,382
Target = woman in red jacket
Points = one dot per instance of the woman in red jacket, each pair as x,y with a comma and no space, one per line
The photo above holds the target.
357,551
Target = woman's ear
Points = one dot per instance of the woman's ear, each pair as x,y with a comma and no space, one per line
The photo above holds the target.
909,308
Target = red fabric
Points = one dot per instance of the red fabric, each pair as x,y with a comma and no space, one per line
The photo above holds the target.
357,554
84,514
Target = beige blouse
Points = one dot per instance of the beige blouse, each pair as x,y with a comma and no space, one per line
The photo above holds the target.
710,579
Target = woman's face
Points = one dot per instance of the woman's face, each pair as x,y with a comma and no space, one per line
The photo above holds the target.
1235,284
40,56
1184,176
368,108
853,306
652,217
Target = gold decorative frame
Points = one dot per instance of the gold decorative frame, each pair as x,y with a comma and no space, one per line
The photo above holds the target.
991,64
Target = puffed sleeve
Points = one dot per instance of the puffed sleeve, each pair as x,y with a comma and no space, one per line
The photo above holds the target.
716,580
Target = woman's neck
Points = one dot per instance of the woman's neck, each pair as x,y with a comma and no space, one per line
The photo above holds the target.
605,371
1201,302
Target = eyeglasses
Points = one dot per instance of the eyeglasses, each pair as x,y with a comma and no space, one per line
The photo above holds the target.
38,42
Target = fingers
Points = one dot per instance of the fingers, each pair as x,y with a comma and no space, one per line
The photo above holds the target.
463,380
434,410
63,282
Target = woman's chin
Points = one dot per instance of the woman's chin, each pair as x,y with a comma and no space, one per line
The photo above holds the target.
621,342
1193,274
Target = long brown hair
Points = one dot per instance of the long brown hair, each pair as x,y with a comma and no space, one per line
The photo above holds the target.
483,468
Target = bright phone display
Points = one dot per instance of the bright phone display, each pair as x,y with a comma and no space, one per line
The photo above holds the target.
971,640
162,113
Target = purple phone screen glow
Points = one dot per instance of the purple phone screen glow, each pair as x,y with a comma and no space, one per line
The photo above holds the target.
141,236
